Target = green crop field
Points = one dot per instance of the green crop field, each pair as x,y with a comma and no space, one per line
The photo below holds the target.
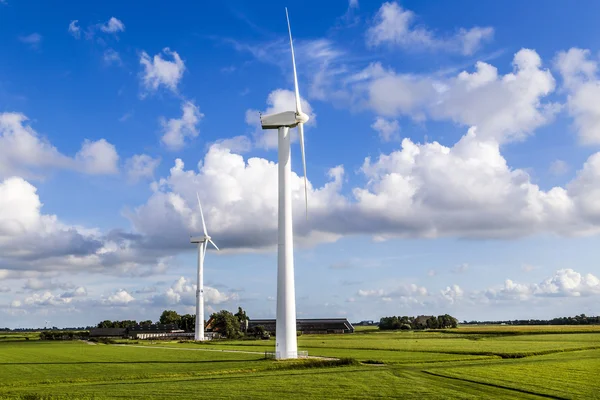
466,363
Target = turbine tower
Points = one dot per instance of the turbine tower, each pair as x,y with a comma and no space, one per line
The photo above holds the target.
286,341
202,247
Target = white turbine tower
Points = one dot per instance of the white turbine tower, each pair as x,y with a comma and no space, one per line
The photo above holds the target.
202,247
286,341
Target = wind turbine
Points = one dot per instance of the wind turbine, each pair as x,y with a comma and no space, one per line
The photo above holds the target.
286,341
202,247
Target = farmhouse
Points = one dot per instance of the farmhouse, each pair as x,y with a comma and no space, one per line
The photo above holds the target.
310,325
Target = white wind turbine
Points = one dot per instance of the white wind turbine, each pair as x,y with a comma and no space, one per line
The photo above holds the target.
286,341
202,247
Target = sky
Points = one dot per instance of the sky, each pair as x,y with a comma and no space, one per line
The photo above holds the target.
453,158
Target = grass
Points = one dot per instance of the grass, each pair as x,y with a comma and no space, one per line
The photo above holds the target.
558,363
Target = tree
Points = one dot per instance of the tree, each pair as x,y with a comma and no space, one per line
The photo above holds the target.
188,322
105,324
170,317
226,324
146,323
242,318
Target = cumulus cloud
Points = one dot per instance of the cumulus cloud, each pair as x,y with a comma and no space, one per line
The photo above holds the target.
451,294
421,190
396,26
159,71
183,291
388,129
581,81
74,29
177,129
506,108
24,152
239,200
564,283
113,25
119,298
36,246
238,144
141,166
99,157
401,291
279,100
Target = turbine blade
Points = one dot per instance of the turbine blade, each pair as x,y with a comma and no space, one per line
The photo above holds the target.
301,132
204,248
213,243
298,106
201,214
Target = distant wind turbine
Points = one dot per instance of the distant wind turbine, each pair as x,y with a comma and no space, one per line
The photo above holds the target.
202,247
286,341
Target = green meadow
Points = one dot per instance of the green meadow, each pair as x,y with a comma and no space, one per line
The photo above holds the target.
466,363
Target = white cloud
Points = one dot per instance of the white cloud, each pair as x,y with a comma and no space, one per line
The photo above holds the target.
24,152
99,157
279,100
388,129
161,72
78,292
119,298
177,129
32,40
4,289
398,292
113,25
237,144
141,166
111,57
239,200
183,291
583,87
504,107
74,30
564,283
451,294
396,26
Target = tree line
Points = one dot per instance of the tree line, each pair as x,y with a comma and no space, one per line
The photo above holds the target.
416,323
224,322
580,319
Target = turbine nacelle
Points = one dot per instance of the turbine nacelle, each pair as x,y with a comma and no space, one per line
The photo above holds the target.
199,239
289,119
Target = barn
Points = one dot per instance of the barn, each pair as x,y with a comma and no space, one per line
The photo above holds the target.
309,325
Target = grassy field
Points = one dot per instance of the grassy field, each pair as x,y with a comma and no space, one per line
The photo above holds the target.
466,363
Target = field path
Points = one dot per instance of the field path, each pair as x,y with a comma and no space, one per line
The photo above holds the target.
218,350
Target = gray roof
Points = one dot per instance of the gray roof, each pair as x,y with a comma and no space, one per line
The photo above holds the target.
107,332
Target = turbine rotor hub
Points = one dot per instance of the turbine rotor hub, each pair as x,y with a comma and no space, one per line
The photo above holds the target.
302,118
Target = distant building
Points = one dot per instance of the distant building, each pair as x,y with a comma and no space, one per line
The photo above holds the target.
108,332
366,323
156,331
309,325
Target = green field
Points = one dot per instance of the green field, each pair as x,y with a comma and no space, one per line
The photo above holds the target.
465,363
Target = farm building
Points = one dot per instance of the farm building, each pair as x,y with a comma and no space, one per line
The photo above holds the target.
108,332
309,325
156,331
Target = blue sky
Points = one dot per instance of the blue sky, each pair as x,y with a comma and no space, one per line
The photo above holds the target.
452,158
